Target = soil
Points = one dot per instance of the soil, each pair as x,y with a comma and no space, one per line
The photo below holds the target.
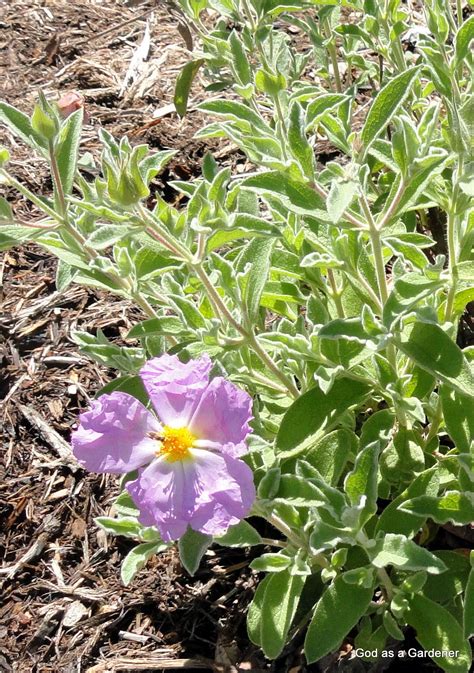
63,608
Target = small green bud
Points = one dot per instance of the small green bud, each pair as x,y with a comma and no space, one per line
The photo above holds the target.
399,605
339,558
43,124
246,91
126,188
414,583
4,156
123,261
269,83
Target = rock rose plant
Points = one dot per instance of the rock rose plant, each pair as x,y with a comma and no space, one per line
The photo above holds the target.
302,381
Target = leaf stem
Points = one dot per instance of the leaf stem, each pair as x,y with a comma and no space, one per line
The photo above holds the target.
216,300
156,231
226,316
331,47
285,529
387,582
459,12
335,294
451,236
30,195
390,212
273,543
359,224
272,366
57,181
377,251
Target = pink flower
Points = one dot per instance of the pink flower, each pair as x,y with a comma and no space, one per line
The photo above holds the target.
189,471
69,103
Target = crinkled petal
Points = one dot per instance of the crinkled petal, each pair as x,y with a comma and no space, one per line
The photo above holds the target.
175,387
113,435
208,492
223,413
229,449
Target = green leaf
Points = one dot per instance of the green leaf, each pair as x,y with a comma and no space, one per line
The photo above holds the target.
4,156
333,497
6,212
452,506
378,427
271,563
257,254
105,235
124,505
20,124
445,587
64,275
183,85
404,456
391,626
240,535
408,291
13,234
463,39
324,536
192,547
269,484
315,411
126,527
240,60
469,606
43,122
395,520
336,613
235,111
254,224
362,481
423,171
136,559
254,614
433,350
192,318
340,198
157,327
299,145
269,82
152,164
322,104
299,492
132,385
351,329
67,149
273,610
408,251
387,102
329,455
399,551
437,629
458,413
296,196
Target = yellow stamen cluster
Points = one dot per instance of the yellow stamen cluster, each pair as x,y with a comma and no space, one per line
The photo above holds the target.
174,443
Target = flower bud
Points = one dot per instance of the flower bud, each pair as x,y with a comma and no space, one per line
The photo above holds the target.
69,103
4,156
42,123
270,83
